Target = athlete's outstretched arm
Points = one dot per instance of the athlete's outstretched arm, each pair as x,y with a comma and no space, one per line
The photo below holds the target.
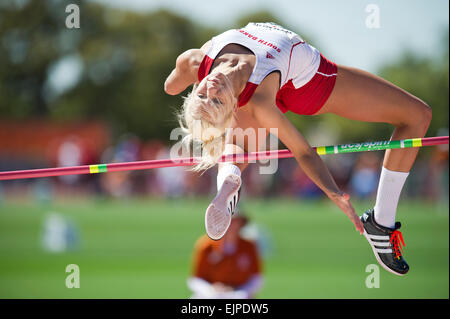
185,72
269,116
237,139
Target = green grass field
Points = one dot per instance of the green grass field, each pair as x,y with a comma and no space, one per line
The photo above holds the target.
141,248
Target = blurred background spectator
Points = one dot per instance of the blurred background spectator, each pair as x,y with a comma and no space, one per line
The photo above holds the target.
364,179
227,268
59,234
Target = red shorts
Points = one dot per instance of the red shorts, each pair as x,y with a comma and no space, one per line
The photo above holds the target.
309,99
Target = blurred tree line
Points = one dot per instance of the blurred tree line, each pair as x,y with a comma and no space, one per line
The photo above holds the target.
114,66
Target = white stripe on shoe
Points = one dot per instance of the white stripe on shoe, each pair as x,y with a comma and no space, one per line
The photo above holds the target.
383,251
378,237
381,244
377,241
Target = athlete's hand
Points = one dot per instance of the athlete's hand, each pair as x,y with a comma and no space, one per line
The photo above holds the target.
342,200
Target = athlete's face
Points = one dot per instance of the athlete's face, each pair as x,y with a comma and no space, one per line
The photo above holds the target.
214,88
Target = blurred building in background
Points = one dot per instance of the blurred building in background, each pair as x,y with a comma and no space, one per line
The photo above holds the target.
43,143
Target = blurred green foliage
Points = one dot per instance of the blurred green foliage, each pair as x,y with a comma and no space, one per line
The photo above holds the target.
426,78
122,59
125,59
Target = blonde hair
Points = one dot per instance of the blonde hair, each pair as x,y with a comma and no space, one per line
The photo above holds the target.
205,124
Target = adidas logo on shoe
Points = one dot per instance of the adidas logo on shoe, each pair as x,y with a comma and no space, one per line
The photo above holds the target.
386,244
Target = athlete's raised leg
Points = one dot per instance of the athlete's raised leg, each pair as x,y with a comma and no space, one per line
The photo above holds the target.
243,137
361,96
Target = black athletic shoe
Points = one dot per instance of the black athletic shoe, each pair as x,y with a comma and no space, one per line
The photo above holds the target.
385,243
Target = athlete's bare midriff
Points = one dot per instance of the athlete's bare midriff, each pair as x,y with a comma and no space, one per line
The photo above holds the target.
234,57
237,54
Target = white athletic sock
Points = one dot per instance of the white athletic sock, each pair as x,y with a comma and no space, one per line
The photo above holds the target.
389,189
224,171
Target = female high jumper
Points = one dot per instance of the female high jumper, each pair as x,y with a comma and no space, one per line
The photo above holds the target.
249,77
